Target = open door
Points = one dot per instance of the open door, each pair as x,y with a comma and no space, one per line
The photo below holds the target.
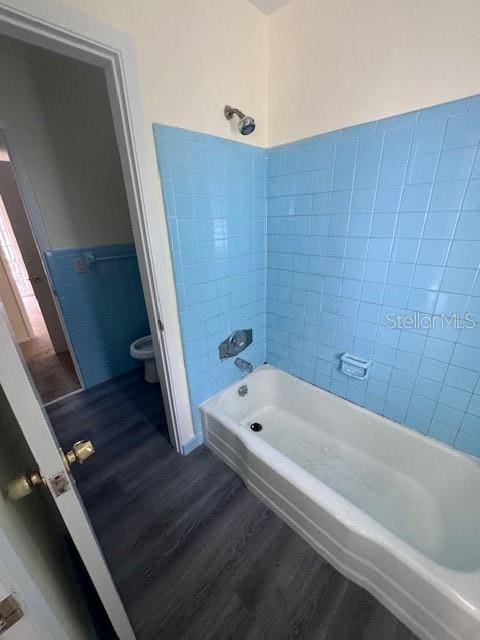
53,471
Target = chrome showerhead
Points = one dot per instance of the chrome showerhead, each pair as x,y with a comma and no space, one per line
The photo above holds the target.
246,124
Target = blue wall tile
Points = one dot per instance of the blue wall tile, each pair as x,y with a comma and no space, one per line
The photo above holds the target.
362,225
104,308
394,230
215,201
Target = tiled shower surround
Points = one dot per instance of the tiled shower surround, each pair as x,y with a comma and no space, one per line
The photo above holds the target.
373,247
215,201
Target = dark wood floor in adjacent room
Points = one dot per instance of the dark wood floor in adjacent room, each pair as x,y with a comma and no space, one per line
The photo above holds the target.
194,554
53,373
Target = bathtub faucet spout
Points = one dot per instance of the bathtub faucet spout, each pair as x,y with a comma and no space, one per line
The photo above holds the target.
244,365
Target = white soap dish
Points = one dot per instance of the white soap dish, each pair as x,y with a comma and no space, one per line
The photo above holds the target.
354,366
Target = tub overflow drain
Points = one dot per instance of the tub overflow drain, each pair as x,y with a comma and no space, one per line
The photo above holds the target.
256,426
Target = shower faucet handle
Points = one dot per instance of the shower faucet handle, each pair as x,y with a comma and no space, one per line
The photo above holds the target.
235,343
239,340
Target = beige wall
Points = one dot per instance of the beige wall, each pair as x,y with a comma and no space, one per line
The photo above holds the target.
61,115
79,125
343,62
324,64
19,104
194,56
312,66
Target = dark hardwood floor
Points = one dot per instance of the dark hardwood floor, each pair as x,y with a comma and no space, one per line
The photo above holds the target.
195,556
53,373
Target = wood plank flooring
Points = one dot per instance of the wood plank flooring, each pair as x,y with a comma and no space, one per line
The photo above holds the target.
194,554
53,373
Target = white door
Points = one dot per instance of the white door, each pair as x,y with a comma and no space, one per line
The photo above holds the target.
19,220
38,433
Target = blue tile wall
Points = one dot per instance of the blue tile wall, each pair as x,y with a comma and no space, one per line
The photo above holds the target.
377,219
364,225
215,200
103,308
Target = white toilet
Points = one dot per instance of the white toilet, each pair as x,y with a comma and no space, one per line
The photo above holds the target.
142,349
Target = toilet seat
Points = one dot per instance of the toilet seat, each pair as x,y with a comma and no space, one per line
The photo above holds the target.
142,349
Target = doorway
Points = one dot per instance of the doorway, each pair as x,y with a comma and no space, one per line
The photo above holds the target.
109,51
27,296
75,249
88,257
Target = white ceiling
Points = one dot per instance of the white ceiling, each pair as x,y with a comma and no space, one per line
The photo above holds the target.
268,6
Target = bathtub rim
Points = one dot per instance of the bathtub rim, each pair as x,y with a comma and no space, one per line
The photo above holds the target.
461,586
344,567
460,455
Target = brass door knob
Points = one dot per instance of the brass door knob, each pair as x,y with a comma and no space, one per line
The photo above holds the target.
22,485
80,452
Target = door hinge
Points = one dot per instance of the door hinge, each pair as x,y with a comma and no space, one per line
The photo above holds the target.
10,613
161,325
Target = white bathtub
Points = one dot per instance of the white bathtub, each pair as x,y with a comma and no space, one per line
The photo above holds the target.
397,512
